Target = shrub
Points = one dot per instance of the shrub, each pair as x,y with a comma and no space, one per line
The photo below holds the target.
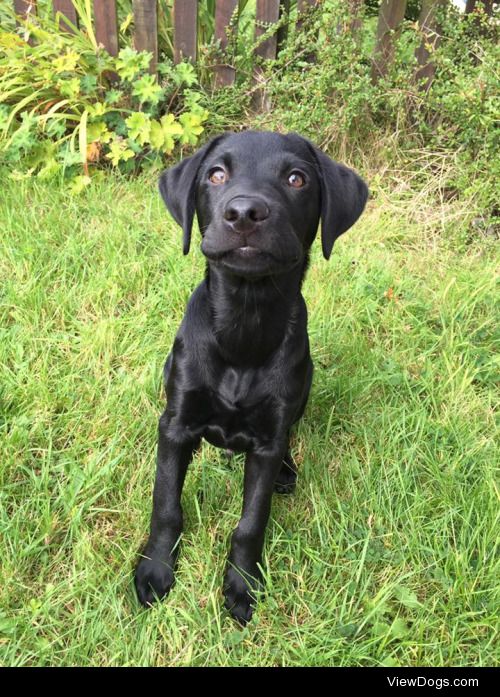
334,101
67,106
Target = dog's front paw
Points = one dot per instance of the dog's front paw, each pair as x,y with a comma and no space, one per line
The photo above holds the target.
239,593
153,580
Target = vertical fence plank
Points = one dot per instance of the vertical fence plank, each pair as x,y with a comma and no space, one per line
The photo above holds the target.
267,13
481,12
146,29
224,13
106,25
352,21
390,19
431,37
305,8
185,28
283,30
25,9
66,8
486,6
355,14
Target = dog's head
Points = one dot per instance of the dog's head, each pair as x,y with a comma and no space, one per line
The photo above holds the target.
259,198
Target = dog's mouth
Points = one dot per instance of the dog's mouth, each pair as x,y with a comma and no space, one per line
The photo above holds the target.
249,261
247,252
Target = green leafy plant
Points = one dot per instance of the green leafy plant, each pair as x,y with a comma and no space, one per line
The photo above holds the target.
68,107
334,101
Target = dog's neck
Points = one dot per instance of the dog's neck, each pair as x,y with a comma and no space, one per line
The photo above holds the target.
252,317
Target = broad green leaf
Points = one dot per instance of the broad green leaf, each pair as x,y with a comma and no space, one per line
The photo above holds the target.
49,170
172,130
389,662
185,74
191,127
129,63
399,628
113,96
55,128
119,152
69,88
139,125
147,89
157,137
98,131
78,184
88,84
97,109
406,597
381,629
67,62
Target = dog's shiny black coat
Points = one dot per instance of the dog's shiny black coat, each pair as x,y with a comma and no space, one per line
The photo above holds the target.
240,371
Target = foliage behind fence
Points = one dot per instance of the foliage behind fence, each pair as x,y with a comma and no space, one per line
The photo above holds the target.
185,22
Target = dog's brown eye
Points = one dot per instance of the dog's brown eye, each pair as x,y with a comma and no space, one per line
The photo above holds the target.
296,180
218,176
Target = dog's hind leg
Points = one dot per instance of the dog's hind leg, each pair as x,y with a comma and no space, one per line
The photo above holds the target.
287,476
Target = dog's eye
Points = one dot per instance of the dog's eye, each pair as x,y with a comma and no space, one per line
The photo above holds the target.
217,176
296,179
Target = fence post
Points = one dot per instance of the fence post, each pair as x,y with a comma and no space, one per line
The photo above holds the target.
146,29
304,8
283,30
355,10
67,9
224,13
267,13
185,29
25,9
481,14
428,22
470,6
390,19
106,25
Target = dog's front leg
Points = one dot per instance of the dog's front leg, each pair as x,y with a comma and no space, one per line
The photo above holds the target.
243,576
154,575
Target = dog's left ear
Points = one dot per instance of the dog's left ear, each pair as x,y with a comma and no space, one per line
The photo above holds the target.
178,189
343,198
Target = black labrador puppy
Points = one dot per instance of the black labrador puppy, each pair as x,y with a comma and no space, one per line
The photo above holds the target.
240,370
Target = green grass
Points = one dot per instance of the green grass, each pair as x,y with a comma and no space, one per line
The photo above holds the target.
387,552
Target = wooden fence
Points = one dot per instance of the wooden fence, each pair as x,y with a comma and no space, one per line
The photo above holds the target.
185,26
268,12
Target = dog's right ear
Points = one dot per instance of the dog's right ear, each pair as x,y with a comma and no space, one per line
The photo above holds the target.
343,198
178,189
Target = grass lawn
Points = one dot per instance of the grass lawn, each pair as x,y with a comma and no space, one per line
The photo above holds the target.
386,554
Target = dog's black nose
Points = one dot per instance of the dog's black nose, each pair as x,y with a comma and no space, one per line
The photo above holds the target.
244,212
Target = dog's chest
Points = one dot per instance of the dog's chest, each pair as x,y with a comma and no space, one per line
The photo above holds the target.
237,410
235,387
